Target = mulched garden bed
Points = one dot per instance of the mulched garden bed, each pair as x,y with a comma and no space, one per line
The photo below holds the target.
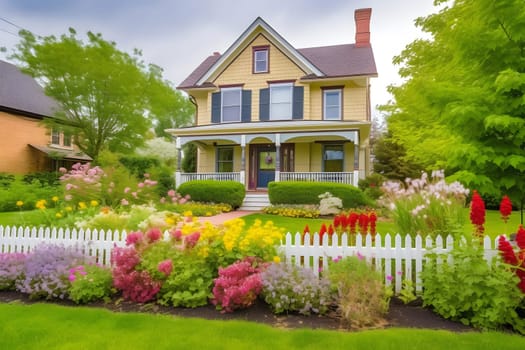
399,315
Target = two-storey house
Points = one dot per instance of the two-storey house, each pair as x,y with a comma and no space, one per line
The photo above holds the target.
26,144
267,111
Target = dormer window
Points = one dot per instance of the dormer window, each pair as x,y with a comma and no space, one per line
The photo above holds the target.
61,139
260,59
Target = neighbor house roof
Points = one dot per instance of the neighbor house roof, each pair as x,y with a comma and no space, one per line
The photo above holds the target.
323,62
20,93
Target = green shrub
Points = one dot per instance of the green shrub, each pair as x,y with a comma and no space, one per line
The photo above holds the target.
28,194
472,291
43,178
371,185
303,192
6,180
212,191
138,165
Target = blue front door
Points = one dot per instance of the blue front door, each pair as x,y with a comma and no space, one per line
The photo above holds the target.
265,167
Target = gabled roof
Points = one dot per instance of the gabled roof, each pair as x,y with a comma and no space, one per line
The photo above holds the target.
20,93
317,62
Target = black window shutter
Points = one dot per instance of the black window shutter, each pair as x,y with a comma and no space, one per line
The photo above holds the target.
298,100
264,104
216,107
246,111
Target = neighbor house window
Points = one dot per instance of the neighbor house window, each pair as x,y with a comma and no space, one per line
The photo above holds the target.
281,101
333,158
224,159
55,137
231,104
260,59
67,140
332,100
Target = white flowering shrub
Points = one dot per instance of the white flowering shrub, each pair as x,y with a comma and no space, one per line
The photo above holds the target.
426,207
329,205
159,148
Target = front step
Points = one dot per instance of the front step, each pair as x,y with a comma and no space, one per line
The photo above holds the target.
255,202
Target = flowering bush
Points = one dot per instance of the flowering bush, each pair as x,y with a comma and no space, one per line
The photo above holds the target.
90,283
46,270
11,269
362,298
425,207
297,289
294,211
516,259
238,285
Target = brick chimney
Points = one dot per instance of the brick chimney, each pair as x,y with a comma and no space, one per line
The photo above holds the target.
362,27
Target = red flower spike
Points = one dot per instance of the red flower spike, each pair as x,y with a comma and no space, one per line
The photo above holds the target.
323,229
352,221
344,221
372,218
505,208
506,251
363,223
477,212
306,230
330,230
337,221
520,237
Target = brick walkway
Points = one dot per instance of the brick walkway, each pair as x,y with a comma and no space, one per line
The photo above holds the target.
219,219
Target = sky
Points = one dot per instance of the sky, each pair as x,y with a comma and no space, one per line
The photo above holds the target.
179,35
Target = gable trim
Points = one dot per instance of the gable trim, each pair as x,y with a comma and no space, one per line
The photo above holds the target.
280,43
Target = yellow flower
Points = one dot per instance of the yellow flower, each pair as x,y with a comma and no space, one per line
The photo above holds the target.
276,259
188,213
93,203
55,199
69,208
58,215
105,210
170,221
41,204
82,205
19,203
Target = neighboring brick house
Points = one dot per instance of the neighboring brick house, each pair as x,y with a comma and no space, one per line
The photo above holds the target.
26,145
266,111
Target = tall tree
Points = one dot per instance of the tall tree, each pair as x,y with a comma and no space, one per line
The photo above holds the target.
108,98
462,105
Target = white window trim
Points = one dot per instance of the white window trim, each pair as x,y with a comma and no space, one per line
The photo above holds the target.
240,104
325,114
255,60
290,85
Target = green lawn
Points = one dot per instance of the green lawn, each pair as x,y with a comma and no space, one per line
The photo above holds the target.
47,326
494,226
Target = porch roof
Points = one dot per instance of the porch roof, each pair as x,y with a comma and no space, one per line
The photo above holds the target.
67,154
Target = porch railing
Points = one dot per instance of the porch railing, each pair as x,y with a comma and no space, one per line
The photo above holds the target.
185,177
339,177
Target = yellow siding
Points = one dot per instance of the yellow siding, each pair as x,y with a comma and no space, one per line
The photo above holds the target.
354,101
240,72
206,159
316,156
16,156
349,157
302,157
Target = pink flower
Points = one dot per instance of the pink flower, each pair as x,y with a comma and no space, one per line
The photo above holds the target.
68,197
165,267
171,193
62,170
146,175
141,184
389,278
69,187
154,234
191,240
134,238
127,189
162,200
182,200
134,194
177,234
72,278
123,201
360,256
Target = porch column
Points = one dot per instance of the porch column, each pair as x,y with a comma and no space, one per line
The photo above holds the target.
242,173
277,157
357,163
178,176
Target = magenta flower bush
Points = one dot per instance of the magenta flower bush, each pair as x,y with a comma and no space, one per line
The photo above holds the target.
290,288
46,270
238,285
11,269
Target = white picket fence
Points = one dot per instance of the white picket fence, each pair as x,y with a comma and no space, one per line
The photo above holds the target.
397,260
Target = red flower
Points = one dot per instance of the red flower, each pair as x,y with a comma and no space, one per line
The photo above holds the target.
372,218
505,208
337,221
506,251
520,237
330,230
352,221
154,234
477,212
363,223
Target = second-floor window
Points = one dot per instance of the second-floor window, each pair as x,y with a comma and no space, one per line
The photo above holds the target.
332,104
55,137
281,101
61,139
231,105
67,140
260,59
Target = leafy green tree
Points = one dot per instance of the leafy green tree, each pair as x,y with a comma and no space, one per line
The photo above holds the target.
462,105
189,161
108,98
391,162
